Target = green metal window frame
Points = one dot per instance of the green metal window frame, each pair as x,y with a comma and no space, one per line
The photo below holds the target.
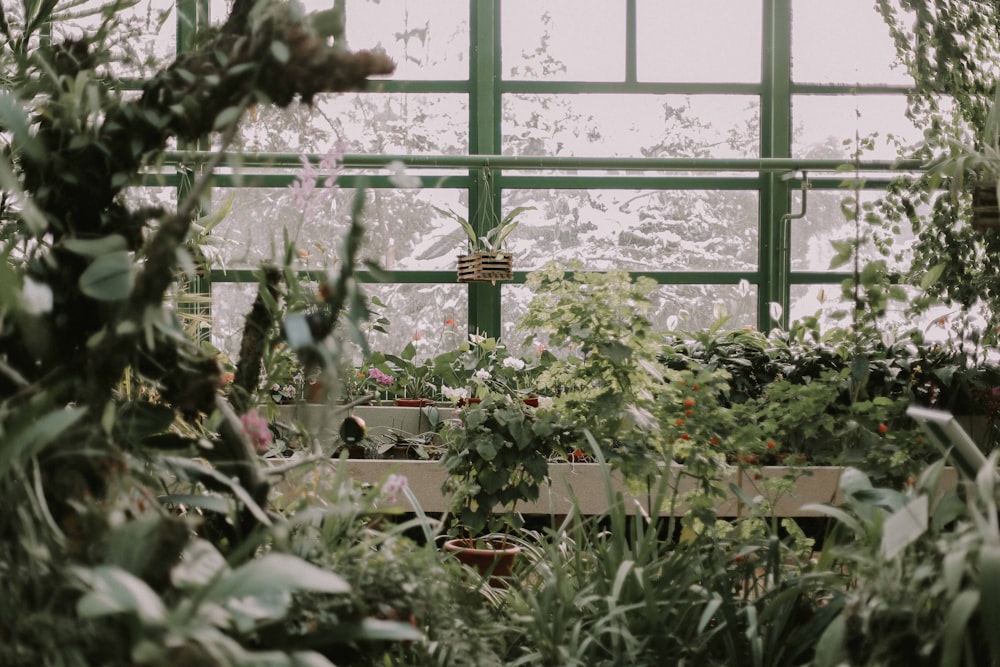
774,176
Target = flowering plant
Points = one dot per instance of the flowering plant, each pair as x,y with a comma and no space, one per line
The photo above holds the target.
282,376
488,367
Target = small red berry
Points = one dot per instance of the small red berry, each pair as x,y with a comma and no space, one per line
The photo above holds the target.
688,402
685,436
679,422
714,440
771,444
689,412
882,428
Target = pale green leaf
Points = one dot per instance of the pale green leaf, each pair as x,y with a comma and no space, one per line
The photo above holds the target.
115,591
96,247
275,572
109,277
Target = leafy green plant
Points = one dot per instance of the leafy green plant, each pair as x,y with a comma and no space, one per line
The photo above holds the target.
603,373
496,458
494,240
924,566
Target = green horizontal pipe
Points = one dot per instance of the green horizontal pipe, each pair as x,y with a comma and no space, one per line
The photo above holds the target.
533,162
665,277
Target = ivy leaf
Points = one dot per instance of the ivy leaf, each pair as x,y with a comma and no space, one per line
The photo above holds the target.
109,278
843,252
932,276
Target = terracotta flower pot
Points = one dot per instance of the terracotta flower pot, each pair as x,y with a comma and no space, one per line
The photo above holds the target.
413,402
491,559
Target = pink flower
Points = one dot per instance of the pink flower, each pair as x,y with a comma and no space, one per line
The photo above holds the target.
381,378
393,486
255,427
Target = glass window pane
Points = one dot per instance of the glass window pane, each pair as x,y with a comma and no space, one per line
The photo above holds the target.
563,40
832,308
402,229
433,316
824,126
812,237
370,123
427,40
843,42
679,40
656,230
639,125
231,303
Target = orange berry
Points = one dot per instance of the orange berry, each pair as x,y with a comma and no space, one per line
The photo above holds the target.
695,388
688,402
771,444
882,428
679,422
689,412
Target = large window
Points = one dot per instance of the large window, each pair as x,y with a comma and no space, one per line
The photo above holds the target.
645,134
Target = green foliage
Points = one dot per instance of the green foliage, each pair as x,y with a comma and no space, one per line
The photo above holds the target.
618,589
923,572
830,398
952,261
496,458
494,240
602,371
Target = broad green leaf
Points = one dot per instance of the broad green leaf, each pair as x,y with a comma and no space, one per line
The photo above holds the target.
280,51
932,276
227,117
109,277
830,647
96,247
200,563
989,579
955,627
115,591
275,573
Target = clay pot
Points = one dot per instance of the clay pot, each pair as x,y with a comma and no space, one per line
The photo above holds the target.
490,558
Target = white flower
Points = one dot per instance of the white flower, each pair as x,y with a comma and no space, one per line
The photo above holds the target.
456,395
482,374
399,176
545,402
36,298
514,362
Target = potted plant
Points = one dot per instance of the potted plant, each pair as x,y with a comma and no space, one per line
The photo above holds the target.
487,258
496,458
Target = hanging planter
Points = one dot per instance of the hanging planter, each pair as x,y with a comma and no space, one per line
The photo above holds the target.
482,267
985,209
487,259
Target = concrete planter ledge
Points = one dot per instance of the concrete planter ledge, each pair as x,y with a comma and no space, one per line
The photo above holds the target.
586,483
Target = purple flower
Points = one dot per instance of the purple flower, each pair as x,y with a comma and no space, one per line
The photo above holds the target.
381,378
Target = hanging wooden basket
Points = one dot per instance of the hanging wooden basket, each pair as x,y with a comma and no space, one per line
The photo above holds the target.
485,267
985,210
